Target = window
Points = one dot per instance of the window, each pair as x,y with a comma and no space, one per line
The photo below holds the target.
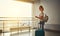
12,8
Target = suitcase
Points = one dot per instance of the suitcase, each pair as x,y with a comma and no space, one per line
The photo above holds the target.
39,32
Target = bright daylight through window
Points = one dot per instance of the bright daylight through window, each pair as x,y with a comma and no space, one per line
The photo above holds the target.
12,8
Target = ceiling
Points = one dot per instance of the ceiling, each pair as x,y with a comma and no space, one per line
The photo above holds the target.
26,0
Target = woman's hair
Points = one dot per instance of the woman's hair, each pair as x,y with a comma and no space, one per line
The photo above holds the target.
41,7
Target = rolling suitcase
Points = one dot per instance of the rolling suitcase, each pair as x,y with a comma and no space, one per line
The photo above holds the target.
39,32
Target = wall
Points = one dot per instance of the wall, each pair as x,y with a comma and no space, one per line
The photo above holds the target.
52,9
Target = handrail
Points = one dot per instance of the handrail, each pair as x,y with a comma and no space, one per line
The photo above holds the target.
7,20
15,18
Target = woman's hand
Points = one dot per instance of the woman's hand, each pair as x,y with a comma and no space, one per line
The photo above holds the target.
36,16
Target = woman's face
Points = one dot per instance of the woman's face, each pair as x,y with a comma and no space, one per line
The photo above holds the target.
41,9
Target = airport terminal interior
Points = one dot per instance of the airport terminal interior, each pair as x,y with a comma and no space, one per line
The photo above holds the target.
17,17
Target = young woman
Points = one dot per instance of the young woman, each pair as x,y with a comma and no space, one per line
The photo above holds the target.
41,17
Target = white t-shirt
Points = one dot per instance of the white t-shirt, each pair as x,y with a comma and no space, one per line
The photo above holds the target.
42,14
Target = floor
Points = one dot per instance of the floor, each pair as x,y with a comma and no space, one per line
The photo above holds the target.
18,34
47,33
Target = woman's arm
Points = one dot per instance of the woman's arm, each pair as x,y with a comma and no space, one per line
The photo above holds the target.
41,17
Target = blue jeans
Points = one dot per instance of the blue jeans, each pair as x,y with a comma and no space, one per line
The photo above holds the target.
42,24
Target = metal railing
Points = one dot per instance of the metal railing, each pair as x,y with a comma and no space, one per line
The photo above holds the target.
16,24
